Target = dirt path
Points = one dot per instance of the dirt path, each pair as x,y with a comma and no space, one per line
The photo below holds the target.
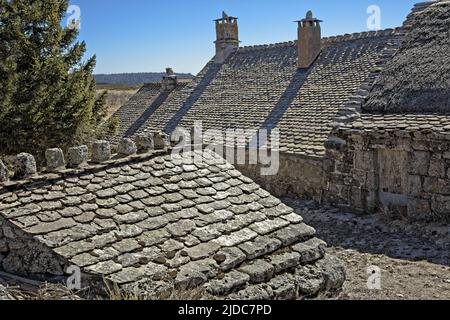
412,261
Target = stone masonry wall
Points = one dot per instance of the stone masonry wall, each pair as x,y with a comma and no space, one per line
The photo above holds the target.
399,174
298,175
23,255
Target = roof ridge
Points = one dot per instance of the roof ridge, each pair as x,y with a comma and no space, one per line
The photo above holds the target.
33,175
328,40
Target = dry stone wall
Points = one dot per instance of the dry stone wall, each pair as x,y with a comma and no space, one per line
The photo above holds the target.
299,176
399,173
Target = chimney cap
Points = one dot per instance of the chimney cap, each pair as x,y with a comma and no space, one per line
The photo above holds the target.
225,16
169,72
309,18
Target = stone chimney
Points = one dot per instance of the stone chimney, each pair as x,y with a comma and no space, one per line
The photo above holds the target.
309,40
170,80
227,37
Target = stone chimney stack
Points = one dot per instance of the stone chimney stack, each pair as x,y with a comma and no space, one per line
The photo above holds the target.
309,40
170,80
227,37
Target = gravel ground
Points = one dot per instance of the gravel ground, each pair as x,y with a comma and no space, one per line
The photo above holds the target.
413,260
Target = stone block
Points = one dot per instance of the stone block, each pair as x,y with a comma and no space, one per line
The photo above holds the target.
437,168
233,281
144,142
24,166
414,185
127,147
77,156
259,271
161,141
101,151
55,159
363,160
436,185
419,163
311,250
4,175
441,206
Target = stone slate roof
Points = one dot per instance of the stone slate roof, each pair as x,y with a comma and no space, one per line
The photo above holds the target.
379,101
135,112
434,126
154,222
417,79
261,87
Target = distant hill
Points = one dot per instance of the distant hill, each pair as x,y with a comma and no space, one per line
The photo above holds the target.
134,79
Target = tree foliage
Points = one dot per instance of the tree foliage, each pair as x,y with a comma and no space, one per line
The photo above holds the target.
47,90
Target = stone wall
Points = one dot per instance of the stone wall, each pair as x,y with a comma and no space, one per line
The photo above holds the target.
403,175
24,255
298,175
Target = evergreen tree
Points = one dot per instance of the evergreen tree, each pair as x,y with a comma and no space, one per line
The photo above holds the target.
47,91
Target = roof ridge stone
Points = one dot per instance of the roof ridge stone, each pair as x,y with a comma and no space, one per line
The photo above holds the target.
326,40
23,169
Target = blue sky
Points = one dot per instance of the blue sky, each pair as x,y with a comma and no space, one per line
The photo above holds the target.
149,35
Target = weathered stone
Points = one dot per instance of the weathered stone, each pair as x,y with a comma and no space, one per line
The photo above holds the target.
127,275
436,185
258,270
171,246
259,292
86,217
419,163
333,273
260,247
311,250
153,223
196,273
233,281
24,166
77,156
105,268
3,246
203,250
126,147
441,205
55,159
284,287
70,212
155,271
236,238
4,174
309,281
234,257
437,168
284,261
42,228
161,141
129,231
101,151
144,142
126,245
294,233
268,226
152,238
84,260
